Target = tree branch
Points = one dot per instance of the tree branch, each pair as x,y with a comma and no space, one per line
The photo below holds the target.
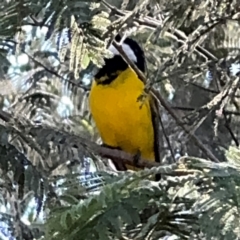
162,102
114,154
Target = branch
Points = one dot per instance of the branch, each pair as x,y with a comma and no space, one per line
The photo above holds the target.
119,155
114,154
5,116
162,102
100,150
190,109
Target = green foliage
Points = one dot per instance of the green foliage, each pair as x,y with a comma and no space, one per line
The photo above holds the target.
175,205
118,207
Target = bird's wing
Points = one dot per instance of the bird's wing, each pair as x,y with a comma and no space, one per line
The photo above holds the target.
156,127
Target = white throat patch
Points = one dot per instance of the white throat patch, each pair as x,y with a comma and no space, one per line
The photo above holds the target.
128,51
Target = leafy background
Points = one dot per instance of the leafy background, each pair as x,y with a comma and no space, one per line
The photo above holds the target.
57,183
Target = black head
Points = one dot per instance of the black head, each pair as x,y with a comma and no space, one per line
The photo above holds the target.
117,63
133,51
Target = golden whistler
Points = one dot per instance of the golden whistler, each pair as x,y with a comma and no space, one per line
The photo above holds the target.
122,121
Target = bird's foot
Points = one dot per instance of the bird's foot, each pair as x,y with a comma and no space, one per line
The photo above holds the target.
136,158
119,165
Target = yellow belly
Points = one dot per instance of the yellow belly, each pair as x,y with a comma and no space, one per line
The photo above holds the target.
121,120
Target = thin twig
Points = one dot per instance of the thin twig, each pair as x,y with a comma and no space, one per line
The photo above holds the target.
162,102
167,139
226,112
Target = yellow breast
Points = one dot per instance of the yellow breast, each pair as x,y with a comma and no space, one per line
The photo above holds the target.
121,119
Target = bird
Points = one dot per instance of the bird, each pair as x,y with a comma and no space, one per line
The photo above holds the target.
123,121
